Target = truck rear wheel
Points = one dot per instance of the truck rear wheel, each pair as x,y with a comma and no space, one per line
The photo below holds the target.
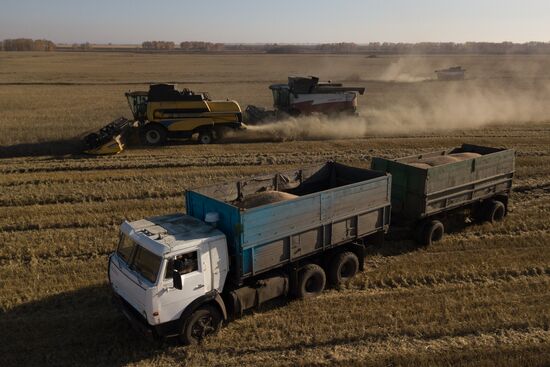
203,322
311,281
431,232
343,268
153,134
495,211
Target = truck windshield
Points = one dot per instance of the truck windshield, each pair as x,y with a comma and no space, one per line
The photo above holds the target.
139,259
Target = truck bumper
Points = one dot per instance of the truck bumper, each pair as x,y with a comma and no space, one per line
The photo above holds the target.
137,321
140,324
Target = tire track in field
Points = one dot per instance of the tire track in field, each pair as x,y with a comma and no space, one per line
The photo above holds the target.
530,189
139,165
89,199
28,227
473,278
78,179
149,162
526,189
198,162
146,176
135,166
217,172
26,259
380,347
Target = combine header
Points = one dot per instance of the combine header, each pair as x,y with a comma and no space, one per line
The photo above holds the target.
110,139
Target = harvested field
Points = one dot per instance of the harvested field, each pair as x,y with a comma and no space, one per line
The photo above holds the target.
479,297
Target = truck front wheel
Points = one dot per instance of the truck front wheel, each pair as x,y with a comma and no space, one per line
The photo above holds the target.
343,268
311,281
203,322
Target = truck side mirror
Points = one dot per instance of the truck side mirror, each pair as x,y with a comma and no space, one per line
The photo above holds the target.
176,277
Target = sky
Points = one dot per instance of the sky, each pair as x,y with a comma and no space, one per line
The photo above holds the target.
279,21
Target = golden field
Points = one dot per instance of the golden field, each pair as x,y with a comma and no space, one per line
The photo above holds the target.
479,297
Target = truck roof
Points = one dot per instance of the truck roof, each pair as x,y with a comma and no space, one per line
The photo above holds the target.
168,233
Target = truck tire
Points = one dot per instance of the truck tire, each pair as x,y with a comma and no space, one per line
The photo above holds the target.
311,281
206,137
432,231
153,135
342,268
204,321
495,211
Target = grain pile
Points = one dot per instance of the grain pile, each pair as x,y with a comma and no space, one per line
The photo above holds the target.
264,198
420,165
426,163
465,155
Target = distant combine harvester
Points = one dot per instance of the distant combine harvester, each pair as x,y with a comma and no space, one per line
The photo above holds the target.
453,73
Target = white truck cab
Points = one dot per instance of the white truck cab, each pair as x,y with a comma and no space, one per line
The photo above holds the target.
165,265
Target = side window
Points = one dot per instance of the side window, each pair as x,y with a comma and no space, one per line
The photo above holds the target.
190,263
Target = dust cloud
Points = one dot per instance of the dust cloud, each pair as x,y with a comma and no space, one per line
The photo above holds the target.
405,71
436,108
462,106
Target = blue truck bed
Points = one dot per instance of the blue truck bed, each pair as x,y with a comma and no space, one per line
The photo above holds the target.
336,204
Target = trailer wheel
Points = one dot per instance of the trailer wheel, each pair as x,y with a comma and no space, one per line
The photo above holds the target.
311,281
343,268
206,137
432,231
153,134
495,211
205,321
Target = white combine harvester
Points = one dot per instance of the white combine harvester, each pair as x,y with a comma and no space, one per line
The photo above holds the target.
306,95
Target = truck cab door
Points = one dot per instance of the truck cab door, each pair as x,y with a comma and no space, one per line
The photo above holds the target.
196,281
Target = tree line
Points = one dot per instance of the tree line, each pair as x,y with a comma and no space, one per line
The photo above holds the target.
186,46
373,48
370,48
26,44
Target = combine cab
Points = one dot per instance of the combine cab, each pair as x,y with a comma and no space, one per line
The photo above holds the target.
302,96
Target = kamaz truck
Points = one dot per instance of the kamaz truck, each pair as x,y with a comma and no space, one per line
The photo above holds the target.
184,274
243,243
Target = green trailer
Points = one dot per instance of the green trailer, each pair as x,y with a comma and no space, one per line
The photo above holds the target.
423,197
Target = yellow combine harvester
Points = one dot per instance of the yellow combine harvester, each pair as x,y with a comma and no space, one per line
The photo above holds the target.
165,113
